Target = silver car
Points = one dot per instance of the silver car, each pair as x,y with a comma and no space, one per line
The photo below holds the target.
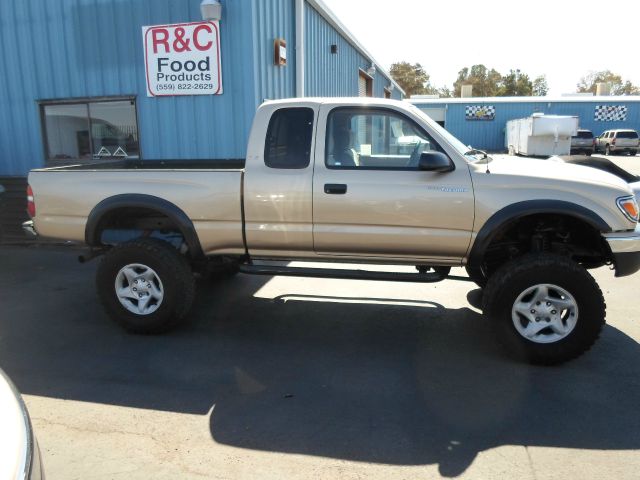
19,452
613,142
583,143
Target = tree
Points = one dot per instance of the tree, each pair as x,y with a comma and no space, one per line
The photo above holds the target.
486,83
540,86
515,84
412,78
588,83
445,92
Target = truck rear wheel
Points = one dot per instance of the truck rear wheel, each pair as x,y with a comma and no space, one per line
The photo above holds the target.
546,309
145,285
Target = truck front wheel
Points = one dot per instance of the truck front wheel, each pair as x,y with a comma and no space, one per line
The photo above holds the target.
145,285
546,308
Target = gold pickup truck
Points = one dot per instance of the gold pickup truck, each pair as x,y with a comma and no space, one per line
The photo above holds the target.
353,181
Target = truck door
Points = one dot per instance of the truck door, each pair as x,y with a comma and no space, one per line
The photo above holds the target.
278,182
369,197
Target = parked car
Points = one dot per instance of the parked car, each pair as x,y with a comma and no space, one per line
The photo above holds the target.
613,142
583,143
608,166
19,452
330,180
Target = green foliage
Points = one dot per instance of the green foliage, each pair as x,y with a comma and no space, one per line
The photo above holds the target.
515,84
540,86
412,78
486,83
589,83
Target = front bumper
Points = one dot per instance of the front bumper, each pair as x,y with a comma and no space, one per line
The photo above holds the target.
625,247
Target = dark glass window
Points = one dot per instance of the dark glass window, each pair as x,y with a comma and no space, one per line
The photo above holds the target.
627,135
288,143
375,139
584,134
87,130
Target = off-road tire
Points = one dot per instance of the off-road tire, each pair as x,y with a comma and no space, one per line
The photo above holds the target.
219,269
513,278
476,275
172,268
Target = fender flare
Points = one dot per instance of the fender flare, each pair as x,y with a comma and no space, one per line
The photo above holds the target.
135,200
502,219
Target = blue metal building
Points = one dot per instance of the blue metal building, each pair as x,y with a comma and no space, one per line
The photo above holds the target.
481,122
72,70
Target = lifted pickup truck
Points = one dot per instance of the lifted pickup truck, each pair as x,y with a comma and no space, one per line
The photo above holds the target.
353,181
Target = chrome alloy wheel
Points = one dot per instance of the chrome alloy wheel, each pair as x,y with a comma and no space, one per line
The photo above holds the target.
139,289
545,313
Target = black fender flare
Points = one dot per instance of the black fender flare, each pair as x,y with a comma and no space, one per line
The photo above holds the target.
502,219
136,200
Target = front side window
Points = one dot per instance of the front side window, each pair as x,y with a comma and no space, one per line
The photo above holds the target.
288,142
374,139
88,131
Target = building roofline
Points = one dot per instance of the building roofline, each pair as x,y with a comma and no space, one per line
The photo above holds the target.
335,22
554,99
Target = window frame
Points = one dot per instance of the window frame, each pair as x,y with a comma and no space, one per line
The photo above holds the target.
375,109
311,139
43,103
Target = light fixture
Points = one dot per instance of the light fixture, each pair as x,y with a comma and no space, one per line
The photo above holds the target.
211,10
371,71
391,87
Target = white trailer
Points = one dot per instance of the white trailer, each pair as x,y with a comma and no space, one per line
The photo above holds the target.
541,135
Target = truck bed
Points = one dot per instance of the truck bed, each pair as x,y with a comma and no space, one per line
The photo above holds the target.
207,191
213,164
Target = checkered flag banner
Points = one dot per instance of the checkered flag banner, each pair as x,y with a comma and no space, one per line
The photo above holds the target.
610,113
480,112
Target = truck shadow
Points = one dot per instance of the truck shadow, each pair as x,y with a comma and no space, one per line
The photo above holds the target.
365,379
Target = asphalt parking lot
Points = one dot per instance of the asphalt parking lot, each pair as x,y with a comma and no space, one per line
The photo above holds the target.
302,378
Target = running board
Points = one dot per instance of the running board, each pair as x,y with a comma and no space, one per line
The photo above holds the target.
346,274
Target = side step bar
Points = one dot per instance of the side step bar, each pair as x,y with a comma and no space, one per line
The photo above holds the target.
347,274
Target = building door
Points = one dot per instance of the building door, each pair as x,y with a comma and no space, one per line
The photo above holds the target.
365,85
436,114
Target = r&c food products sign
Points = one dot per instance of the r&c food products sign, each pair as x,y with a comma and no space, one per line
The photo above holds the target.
182,59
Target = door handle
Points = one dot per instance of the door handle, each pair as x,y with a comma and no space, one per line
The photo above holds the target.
335,188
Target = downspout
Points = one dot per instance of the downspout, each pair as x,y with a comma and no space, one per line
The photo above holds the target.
300,4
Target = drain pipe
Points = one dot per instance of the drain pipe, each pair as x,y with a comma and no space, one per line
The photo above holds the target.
300,5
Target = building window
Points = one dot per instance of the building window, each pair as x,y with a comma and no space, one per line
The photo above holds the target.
365,85
89,130
288,143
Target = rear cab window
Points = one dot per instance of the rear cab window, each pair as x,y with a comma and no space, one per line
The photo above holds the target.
289,136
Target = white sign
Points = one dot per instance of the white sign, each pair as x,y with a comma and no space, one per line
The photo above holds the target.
182,59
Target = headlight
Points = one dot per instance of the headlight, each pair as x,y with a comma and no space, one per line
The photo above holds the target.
629,207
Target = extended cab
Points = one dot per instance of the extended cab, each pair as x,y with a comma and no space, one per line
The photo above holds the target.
353,181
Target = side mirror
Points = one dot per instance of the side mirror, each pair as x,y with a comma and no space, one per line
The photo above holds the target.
435,162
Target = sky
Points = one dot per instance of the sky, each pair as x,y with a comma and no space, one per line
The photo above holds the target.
564,39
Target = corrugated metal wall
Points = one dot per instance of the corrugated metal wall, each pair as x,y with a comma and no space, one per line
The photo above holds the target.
328,74
92,48
85,48
273,19
489,134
